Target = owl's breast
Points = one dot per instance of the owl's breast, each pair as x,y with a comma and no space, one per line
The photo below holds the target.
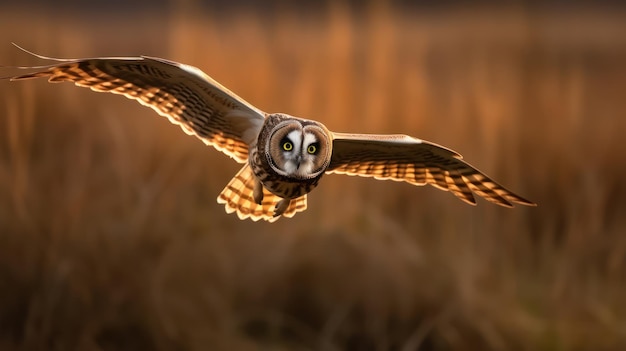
288,189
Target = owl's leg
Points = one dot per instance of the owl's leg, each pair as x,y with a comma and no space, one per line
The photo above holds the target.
281,206
257,192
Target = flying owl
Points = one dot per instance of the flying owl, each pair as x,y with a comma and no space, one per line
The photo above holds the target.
283,157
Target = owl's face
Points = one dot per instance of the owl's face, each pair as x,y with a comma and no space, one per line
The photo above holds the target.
299,149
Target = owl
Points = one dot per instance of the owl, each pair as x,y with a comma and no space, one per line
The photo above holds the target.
283,157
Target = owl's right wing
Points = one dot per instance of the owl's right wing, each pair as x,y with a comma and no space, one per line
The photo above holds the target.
182,93
418,162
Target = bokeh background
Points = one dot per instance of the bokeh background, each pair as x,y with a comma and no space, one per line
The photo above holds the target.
111,238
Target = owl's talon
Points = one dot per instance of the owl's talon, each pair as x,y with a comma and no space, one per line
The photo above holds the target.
257,192
281,207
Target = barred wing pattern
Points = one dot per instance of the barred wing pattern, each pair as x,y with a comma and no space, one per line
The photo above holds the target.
238,197
418,162
184,94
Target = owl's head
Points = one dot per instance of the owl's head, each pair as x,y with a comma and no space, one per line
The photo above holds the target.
298,148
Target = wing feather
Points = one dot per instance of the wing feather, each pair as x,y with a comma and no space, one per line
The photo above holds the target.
238,196
418,162
182,93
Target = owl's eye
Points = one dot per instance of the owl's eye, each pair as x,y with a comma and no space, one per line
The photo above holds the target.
311,149
287,146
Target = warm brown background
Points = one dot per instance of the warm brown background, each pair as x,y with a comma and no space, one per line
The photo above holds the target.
111,238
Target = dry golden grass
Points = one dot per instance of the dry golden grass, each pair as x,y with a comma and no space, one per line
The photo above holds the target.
111,238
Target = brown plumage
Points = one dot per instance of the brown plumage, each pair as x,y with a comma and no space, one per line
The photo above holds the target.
238,197
418,162
284,156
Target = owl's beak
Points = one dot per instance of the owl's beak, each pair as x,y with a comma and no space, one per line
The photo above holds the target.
298,160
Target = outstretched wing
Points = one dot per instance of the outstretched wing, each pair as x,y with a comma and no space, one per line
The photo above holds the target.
184,94
403,158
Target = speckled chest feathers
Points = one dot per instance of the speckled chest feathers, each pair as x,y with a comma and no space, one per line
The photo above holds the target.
291,155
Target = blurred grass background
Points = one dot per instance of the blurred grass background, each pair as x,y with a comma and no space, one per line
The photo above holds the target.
111,238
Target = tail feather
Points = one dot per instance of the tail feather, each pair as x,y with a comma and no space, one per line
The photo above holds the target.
238,197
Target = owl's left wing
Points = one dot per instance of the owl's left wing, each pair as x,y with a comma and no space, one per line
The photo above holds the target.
418,162
182,93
